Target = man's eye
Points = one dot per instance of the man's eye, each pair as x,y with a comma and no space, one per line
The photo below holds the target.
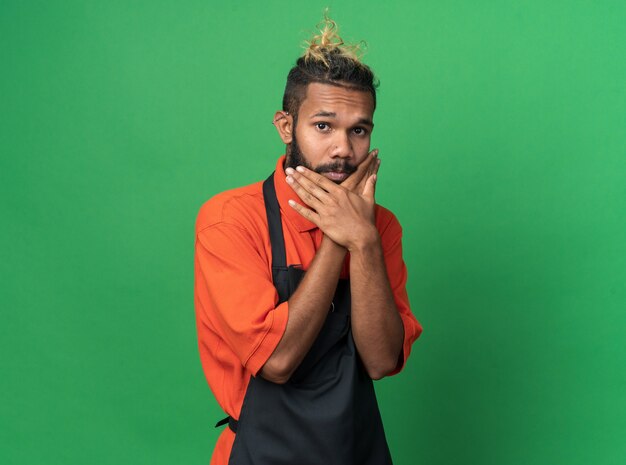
360,131
322,126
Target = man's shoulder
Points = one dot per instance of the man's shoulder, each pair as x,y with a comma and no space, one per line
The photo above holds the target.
234,206
385,219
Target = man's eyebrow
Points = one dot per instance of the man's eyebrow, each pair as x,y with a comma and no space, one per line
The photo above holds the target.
327,114
331,114
366,121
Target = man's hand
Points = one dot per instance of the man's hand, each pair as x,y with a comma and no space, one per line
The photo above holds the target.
343,213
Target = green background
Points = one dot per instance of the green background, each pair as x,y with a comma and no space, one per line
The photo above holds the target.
502,130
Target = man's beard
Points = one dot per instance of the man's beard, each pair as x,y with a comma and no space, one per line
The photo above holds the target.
296,158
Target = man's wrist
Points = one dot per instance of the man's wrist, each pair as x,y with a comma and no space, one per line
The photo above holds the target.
332,247
365,242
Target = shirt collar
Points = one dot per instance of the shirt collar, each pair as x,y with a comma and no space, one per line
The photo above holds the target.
284,192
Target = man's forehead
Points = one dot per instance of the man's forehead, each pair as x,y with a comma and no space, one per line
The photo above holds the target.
334,100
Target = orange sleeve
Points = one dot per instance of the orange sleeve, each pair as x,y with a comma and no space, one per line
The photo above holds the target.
235,294
391,238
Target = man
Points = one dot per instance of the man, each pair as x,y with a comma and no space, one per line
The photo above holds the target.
300,283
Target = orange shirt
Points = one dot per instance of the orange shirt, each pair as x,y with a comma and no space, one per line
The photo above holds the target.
238,322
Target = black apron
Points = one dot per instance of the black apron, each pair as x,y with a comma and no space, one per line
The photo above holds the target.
327,412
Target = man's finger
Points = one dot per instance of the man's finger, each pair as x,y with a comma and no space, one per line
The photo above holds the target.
306,212
306,196
373,169
370,187
321,181
357,177
308,185
376,167
362,170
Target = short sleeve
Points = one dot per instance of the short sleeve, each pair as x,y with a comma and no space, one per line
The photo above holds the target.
235,296
391,238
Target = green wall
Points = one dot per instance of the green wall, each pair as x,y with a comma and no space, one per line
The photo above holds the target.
502,130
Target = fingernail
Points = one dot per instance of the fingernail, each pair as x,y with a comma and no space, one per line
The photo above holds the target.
300,168
289,170
375,153
291,202
289,179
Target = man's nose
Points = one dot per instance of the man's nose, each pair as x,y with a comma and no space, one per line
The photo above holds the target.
341,145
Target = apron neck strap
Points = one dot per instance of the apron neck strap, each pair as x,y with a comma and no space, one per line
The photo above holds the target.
272,209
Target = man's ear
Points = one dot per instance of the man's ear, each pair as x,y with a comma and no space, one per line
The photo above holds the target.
284,125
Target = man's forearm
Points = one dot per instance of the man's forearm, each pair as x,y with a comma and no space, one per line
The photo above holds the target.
308,308
376,325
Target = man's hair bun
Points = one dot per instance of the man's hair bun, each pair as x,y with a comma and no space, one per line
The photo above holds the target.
328,41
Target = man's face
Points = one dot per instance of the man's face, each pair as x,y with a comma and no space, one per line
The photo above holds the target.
333,130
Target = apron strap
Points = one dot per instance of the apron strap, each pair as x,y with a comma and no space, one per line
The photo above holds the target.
272,209
280,273
232,423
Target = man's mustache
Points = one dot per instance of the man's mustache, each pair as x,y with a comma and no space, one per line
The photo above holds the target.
337,167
